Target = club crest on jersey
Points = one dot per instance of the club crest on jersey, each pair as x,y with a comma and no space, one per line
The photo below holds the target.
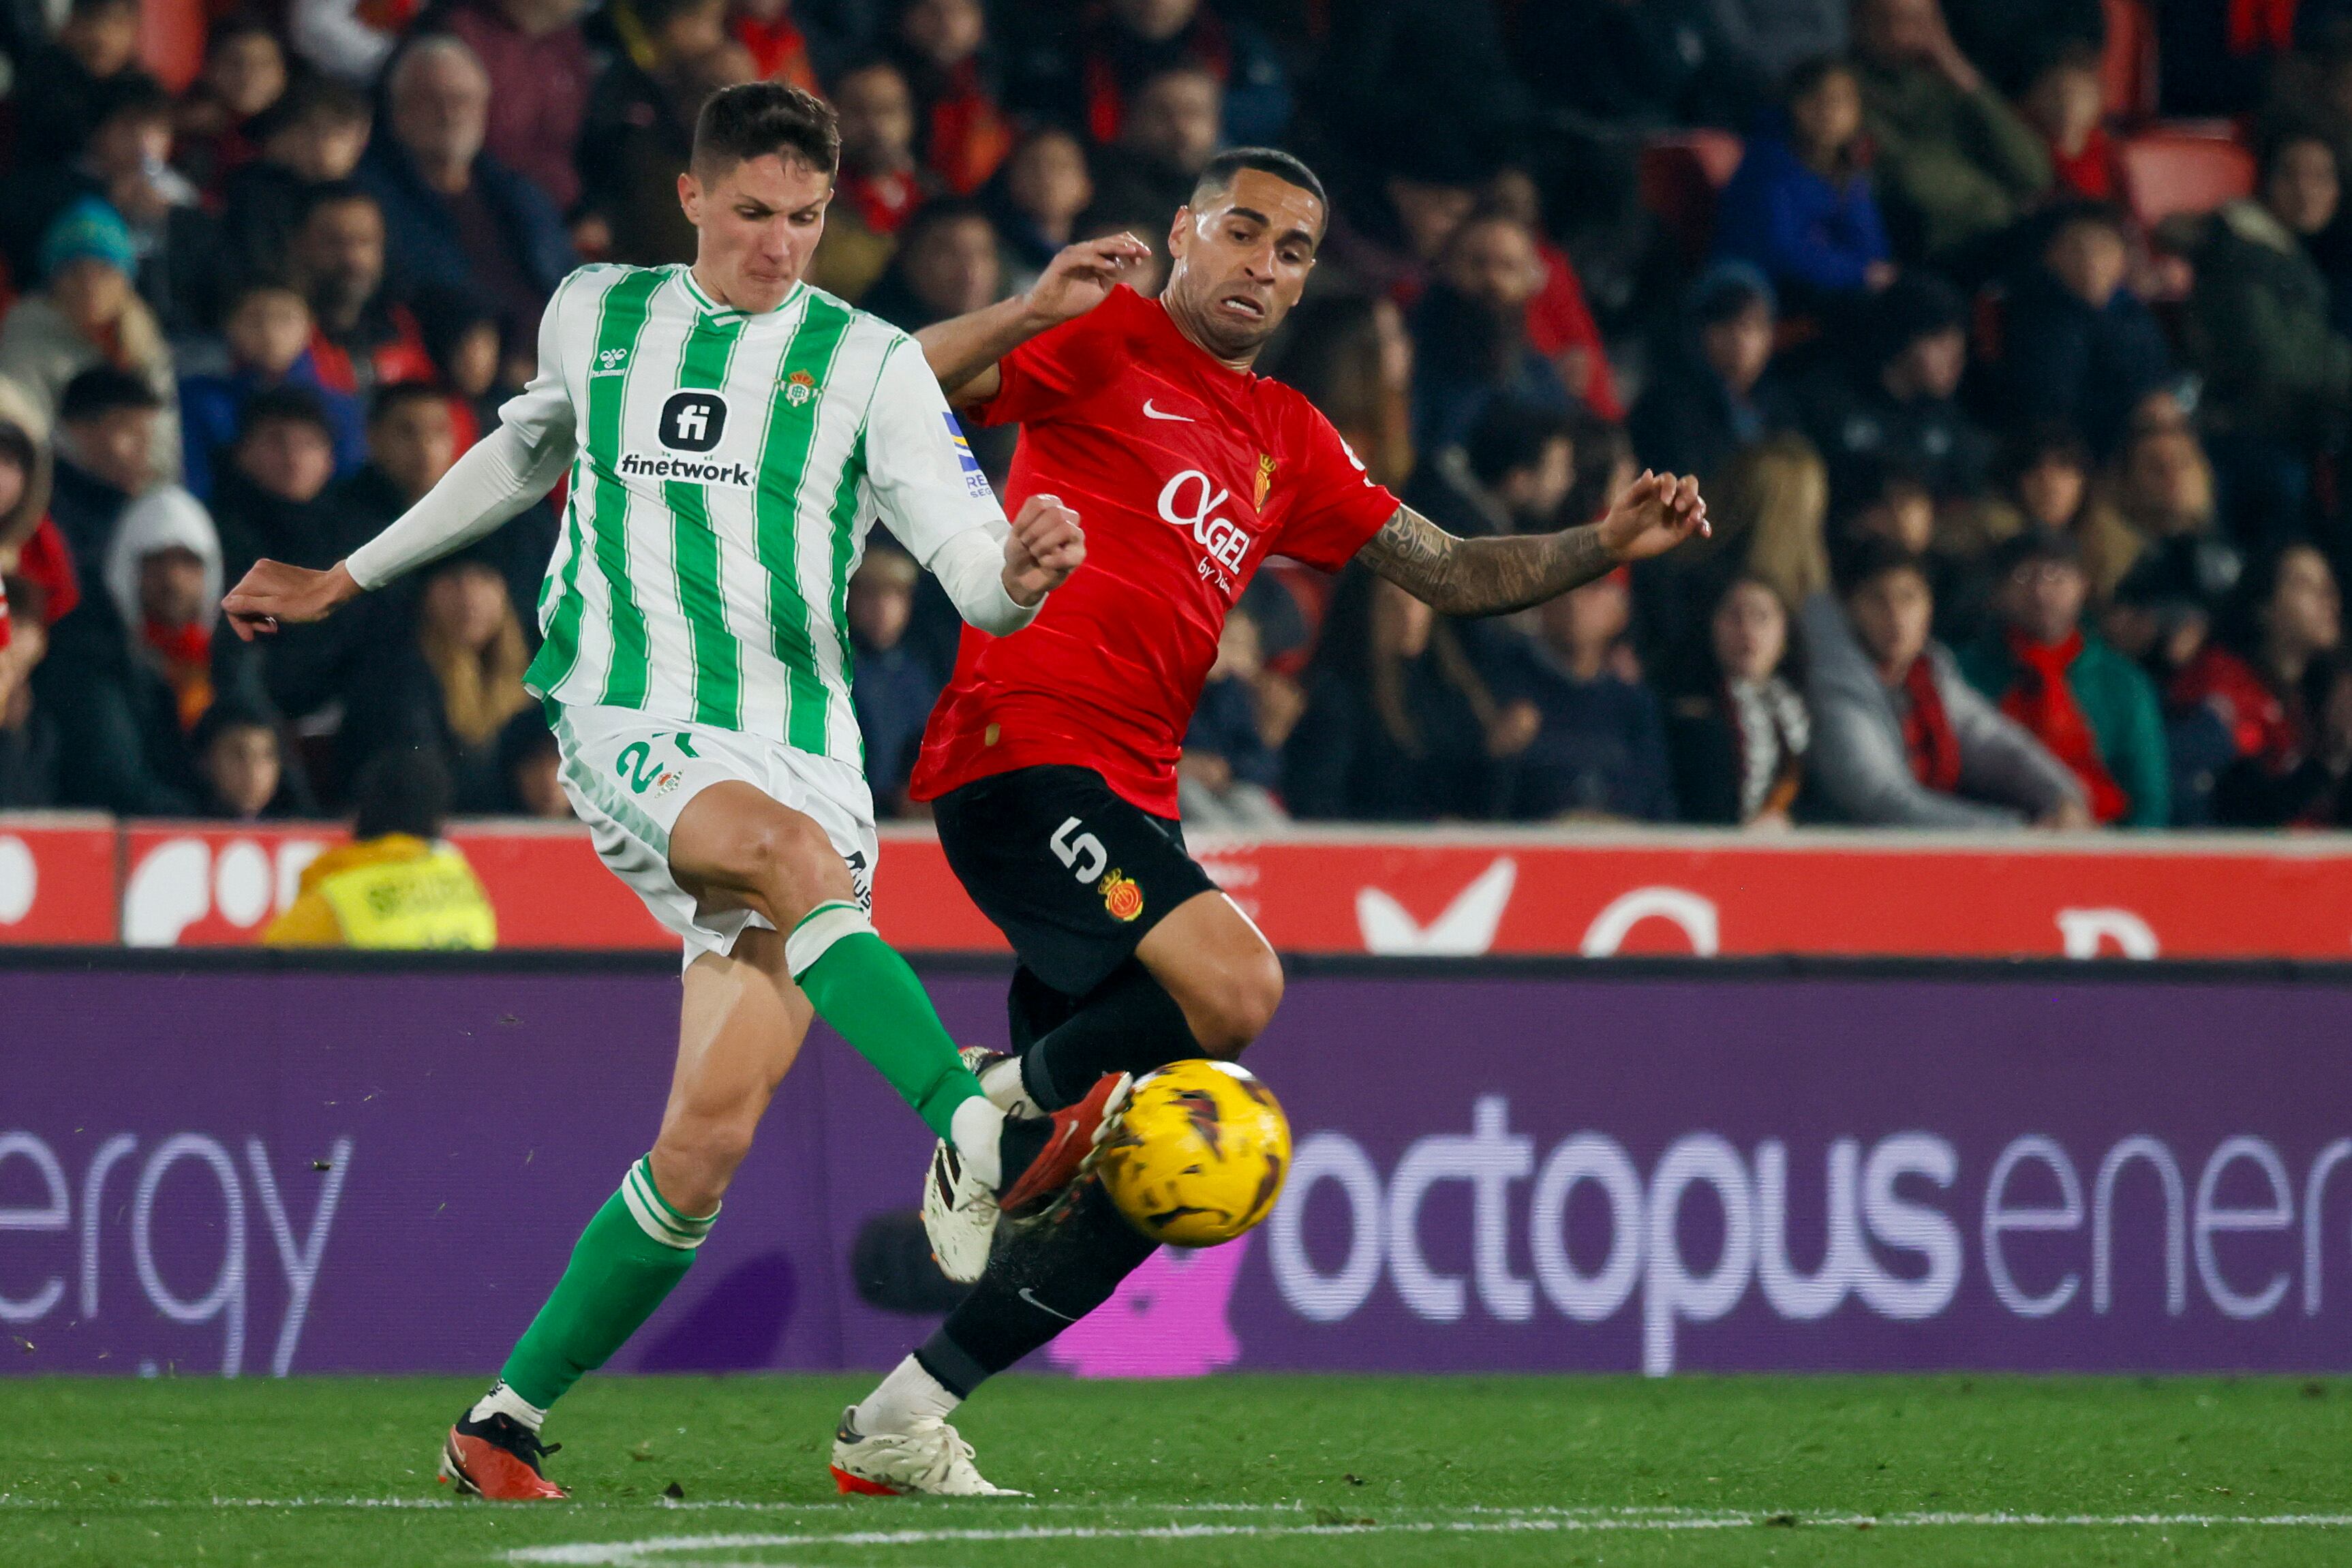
693,420
1264,478
799,388
974,481
1121,896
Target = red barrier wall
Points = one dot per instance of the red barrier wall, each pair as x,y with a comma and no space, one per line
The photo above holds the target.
82,880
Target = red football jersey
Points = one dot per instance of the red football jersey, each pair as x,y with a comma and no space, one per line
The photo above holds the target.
1185,475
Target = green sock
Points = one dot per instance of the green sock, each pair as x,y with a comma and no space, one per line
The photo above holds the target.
860,985
629,1259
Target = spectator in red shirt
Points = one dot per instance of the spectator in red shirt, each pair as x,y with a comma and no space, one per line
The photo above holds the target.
362,339
540,73
2288,708
779,50
1129,42
938,46
1471,330
880,183
1559,322
313,135
2067,104
243,73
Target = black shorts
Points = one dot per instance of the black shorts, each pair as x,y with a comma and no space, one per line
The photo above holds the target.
1072,875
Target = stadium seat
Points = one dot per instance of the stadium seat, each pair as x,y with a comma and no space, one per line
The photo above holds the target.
2127,66
2165,172
1679,176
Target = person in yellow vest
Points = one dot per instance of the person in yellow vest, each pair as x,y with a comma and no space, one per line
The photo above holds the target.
396,885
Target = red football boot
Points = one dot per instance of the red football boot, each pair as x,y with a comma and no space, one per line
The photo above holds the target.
1071,1142
497,1459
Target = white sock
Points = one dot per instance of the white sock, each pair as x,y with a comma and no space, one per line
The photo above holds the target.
974,1129
908,1400
501,1400
1005,1089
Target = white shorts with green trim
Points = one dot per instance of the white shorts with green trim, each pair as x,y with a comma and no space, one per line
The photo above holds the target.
629,775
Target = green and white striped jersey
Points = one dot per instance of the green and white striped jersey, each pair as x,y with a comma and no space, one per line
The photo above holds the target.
726,470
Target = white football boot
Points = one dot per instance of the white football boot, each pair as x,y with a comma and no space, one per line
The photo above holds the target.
960,1214
960,1211
934,1461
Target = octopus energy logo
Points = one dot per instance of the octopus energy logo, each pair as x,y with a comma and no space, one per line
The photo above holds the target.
1904,1226
178,1231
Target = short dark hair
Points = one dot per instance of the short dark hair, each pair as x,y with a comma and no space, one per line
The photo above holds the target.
753,120
403,790
936,213
2039,445
285,405
239,25
306,99
232,712
332,194
1808,74
103,389
2099,214
2033,548
2293,134
1512,433
245,288
391,395
133,95
1218,176
1866,560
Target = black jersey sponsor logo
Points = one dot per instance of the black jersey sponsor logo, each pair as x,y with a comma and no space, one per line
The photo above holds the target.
693,421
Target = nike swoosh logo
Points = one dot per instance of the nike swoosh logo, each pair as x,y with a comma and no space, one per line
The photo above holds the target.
1040,1305
1151,413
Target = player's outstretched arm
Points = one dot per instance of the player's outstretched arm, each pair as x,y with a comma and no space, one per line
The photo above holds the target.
1492,576
962,351
497,477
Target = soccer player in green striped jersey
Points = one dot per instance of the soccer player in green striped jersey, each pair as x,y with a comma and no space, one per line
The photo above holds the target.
730,434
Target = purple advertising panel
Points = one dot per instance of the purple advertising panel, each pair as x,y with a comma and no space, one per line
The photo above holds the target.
253,1171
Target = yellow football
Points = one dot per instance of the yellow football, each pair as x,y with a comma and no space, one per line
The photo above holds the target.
1199,1155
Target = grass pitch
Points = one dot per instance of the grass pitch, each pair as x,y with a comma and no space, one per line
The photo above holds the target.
1323,1472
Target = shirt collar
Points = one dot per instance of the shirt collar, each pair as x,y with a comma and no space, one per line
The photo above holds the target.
709,307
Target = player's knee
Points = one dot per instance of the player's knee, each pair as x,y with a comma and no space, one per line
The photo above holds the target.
1243,1002
696,1157
784,854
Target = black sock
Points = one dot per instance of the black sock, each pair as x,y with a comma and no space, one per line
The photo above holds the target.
1066,1270
1127,1024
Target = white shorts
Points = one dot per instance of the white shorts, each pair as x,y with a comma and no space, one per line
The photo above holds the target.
629,775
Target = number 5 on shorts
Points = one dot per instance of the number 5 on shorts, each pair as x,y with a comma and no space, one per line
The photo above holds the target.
1085,854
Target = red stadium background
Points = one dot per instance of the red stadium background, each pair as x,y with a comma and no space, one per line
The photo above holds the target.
88,880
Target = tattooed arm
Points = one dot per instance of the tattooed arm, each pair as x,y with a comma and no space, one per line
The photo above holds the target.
1491,576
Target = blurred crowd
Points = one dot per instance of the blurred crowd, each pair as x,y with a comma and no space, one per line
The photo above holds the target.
2012,340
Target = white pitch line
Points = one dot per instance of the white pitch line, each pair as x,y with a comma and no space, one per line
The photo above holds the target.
635,1554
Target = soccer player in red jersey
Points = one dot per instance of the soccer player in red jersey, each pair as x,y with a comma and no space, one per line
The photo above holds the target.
1051,757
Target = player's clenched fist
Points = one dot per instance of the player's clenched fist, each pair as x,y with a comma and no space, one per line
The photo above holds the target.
1047,546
